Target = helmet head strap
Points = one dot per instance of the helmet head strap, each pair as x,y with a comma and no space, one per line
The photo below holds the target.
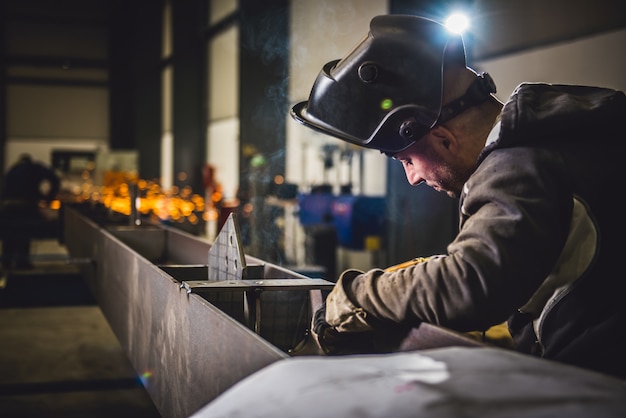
478,92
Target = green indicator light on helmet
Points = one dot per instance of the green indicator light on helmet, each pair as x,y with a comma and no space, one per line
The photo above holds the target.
386,104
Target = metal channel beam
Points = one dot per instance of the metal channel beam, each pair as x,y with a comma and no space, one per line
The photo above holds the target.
186,350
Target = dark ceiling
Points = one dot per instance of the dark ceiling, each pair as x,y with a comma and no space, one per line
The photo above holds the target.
502,27
499,27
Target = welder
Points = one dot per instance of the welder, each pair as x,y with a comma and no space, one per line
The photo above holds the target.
538,180
25,186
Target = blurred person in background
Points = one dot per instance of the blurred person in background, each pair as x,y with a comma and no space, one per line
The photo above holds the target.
26,186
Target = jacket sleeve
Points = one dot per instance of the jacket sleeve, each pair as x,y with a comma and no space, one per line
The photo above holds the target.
515,213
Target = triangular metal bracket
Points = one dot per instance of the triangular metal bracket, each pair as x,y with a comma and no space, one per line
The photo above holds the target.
226,256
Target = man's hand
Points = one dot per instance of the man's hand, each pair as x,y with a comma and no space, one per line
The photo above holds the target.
335,342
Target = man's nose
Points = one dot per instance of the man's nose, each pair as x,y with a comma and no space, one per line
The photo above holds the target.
412,176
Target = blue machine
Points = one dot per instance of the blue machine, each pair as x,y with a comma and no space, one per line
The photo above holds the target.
315,208
357,219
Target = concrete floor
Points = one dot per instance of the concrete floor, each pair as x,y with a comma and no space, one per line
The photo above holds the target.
58,355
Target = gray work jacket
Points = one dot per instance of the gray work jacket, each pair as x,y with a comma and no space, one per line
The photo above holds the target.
540,242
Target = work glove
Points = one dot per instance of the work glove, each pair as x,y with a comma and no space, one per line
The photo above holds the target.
335,342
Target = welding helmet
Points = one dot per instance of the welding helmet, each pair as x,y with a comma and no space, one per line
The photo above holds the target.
386,93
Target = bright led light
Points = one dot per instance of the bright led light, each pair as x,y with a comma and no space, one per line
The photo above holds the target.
457,23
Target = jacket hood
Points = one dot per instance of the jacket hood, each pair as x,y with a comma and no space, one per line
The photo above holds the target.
558,111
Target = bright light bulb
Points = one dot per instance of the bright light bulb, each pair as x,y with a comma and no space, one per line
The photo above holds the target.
457,23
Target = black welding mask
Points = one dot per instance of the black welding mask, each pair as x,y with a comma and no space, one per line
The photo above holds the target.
386,93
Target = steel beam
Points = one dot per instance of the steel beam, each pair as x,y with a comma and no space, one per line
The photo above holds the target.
185,350
189,339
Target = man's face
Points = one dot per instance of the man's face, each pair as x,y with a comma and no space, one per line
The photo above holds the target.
427,161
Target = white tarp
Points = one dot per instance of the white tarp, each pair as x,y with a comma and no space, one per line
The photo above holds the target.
447,382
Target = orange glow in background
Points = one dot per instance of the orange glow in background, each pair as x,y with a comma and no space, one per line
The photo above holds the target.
178,205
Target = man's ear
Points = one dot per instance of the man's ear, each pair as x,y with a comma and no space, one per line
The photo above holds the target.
445,138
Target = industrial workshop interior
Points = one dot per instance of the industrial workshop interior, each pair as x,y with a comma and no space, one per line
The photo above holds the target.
196,226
